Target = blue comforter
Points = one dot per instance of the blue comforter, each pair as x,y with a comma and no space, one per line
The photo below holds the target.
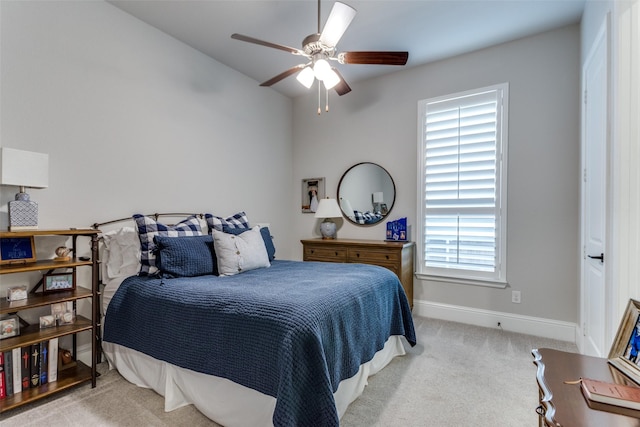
292,331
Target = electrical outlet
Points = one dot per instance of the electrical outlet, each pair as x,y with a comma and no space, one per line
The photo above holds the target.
515,297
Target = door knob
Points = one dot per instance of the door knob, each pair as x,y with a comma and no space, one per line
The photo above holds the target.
600,257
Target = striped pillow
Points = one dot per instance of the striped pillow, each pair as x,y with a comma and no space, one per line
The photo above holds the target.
148,228
238,220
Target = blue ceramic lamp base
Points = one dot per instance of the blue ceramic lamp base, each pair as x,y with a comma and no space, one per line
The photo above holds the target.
328,229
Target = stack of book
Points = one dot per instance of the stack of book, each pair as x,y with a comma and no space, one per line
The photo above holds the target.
611,397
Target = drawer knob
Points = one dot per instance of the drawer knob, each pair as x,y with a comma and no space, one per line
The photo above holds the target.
358,255
336,253
386,256
312,251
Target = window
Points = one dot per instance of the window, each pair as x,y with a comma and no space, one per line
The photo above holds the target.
462,189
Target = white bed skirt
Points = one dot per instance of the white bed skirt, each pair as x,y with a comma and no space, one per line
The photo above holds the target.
225,402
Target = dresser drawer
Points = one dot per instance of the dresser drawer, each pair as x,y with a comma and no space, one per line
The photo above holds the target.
372,256
315,253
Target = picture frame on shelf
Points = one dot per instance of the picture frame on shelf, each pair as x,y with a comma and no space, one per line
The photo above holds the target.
59,282
17,250
625,350
9,327
313,190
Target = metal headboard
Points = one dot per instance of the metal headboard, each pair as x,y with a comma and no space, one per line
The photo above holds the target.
97,225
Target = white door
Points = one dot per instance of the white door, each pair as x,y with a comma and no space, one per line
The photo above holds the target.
594,196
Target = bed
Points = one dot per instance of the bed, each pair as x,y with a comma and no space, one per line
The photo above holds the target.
287,343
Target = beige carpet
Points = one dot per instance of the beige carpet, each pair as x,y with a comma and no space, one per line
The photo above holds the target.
457,375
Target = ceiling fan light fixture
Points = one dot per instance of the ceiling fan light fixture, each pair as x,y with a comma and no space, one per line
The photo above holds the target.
321,68
331,79
306,77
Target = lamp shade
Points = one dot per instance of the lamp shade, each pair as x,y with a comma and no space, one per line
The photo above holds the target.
346,207
378,197
24,168
328,208
306,77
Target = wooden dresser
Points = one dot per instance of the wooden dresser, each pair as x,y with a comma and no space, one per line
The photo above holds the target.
396,256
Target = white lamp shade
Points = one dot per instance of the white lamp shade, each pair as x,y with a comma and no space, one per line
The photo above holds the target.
331,79
346,207
306,77
378,197
328,208
24,168
321,69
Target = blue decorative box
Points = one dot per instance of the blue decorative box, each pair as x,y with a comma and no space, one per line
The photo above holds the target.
398,230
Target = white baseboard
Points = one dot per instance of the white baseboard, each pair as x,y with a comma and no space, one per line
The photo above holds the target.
547,328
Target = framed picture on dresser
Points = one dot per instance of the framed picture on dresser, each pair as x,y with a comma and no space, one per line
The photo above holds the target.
625,350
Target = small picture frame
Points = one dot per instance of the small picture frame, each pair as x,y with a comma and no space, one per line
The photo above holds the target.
313,190
58,282
625,350
9,327
17,250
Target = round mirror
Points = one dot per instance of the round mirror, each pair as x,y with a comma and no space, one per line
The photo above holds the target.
366,193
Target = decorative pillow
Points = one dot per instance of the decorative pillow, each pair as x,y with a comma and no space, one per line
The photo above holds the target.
185,256
240,253
266,236
148,228
121,253
238,220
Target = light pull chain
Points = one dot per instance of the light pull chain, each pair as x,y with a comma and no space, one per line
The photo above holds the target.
319,110
327,101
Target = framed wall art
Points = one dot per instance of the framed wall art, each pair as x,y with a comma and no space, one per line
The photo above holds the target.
313,189
14,250
625,350
57,282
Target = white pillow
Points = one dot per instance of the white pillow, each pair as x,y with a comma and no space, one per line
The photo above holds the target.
121,253
239,253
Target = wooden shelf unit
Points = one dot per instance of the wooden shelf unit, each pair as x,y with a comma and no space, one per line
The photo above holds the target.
32,334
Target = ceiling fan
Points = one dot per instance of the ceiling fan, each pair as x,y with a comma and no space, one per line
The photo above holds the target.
320,48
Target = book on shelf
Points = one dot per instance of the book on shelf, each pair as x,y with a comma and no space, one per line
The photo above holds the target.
3,378
53,360
25,367
44,362
17,372
8,372
611,397
35,365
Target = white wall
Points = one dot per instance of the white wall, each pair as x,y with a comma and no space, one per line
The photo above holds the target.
377,122
135,121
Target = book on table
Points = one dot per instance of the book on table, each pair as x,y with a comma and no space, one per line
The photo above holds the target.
618,395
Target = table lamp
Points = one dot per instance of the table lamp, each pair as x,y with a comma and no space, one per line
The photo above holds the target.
23,169
378,199
327,209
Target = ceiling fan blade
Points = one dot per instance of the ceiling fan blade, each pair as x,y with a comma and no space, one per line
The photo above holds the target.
341,88
267,44
283,75
339,19
379,58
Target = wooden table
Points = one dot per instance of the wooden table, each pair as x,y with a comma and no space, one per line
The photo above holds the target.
563,404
